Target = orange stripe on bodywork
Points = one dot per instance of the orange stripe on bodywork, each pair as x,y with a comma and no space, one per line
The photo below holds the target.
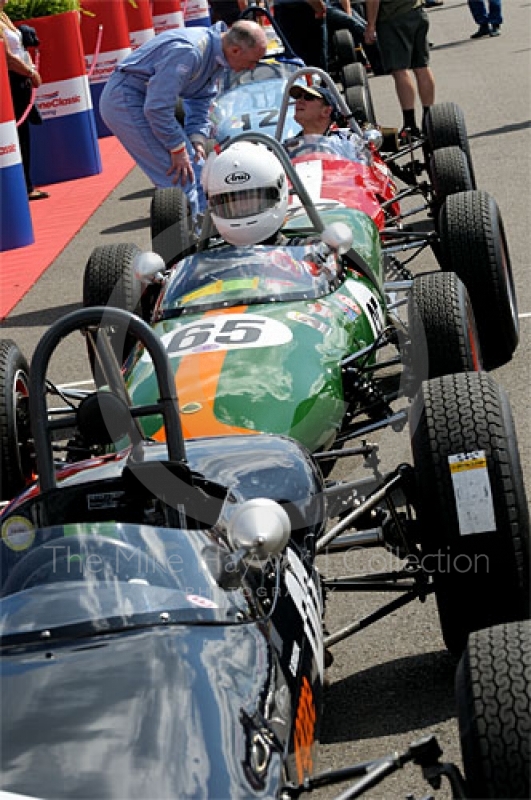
196,381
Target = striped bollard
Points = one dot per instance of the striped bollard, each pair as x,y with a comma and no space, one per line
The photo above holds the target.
139,22
167,14
65,147
105,35
197,14
16,228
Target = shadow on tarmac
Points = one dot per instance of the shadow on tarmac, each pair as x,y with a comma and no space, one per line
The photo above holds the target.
390,698
43,317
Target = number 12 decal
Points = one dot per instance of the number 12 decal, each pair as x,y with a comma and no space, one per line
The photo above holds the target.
224,332
266,118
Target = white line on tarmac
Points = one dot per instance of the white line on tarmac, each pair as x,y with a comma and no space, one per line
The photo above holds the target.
523,316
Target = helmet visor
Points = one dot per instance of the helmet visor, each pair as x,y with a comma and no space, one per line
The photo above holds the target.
244,202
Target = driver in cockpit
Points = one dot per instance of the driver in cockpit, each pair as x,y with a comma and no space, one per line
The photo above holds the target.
247,194
317,114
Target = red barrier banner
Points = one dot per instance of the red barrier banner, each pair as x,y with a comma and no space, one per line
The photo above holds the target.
65,146
167,14
16,228
105,35
139,21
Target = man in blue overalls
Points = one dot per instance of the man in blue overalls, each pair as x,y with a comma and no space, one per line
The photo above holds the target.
139,100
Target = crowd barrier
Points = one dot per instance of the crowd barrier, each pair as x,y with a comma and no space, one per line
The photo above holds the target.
65,147
16,229
139,22
167,14
105,35
197,13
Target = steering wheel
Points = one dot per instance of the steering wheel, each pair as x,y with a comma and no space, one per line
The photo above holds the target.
67,559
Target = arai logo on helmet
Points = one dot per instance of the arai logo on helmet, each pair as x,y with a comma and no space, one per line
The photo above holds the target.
237,178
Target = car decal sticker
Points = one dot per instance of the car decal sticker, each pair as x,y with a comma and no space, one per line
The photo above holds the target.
18,533
369,303
472,492
196,380
306,597
304,735
306,319
311,174
219,287
217,333
202,602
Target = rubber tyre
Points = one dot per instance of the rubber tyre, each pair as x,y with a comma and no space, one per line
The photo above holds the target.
109,280
354,75
343,48
442,328
445,126
171,225
17,462
493,693
450,174
359,101
458,415
473,245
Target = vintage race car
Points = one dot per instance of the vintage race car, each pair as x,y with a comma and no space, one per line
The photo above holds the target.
422,194
460,224
162,604
249,100
299,340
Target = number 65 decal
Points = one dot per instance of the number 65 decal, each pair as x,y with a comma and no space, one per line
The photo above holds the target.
224,332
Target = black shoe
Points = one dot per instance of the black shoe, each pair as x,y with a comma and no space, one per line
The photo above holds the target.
433,3
483,30
407,135
495,30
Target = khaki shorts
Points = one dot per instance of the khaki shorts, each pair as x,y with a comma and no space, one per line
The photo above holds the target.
403,40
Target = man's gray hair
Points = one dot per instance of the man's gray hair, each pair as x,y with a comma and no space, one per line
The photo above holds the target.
244,33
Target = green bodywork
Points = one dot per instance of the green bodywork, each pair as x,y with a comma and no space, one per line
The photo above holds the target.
288,380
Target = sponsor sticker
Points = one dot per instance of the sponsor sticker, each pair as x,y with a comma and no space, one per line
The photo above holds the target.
9,146
311,322
304,736
306,596
369,303
202,602
63,98
472,492
219,287
18,533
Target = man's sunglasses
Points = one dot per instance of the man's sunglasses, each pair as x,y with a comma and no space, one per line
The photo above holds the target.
298,93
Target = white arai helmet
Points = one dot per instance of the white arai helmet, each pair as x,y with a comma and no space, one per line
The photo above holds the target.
247,193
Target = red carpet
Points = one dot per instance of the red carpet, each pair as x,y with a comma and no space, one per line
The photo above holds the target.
56,221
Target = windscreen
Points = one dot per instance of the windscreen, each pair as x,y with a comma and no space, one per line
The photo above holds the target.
260,274
111,576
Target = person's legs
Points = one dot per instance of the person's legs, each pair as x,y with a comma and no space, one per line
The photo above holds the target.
337,19
404,46
405,91
121,108
489,21
405,88
478,10
495,13
426,86
21,97
25,153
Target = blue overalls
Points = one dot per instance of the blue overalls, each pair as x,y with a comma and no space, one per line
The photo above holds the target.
139,100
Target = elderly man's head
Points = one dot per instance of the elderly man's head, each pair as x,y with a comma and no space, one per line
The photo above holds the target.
244,44
314,106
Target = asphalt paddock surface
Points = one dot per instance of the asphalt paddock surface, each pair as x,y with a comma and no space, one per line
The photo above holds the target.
394,682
